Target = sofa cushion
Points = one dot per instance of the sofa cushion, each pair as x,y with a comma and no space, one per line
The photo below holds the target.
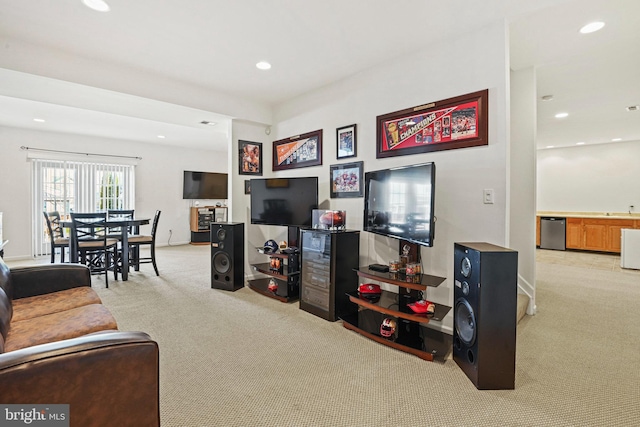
41,305
59,326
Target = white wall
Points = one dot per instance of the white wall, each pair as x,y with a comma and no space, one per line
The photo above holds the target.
589,178
158,180
522,172
425,76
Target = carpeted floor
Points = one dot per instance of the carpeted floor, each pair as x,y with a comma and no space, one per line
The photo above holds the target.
241,359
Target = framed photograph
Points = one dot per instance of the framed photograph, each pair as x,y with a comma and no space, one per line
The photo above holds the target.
458,122
298,151
346,141
346,180
250,158
247,186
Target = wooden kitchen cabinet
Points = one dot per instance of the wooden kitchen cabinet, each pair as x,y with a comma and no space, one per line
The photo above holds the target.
574,234
596,234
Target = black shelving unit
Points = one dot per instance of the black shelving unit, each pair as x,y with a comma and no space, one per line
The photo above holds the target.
288,279
328,260
411,335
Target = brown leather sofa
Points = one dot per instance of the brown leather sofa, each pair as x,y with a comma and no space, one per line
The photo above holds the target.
60,345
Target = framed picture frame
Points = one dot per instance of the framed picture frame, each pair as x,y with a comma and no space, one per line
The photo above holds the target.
346,180
452,123
247,186
298,151
249,158
346,141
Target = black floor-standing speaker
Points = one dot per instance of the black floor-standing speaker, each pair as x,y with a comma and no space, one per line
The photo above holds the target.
227,255
484,317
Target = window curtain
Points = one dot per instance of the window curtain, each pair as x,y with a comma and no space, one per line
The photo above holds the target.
74,186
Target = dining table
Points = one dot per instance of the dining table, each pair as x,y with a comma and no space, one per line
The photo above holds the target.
123,223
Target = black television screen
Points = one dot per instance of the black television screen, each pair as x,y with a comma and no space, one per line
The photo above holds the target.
204,185
399,203
283,201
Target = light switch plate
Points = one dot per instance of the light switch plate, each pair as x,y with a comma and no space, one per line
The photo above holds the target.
487,195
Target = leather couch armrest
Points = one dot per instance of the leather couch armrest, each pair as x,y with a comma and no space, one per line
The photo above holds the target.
107,378
44,279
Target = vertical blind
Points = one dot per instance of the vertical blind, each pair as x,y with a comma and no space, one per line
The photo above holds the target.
73,186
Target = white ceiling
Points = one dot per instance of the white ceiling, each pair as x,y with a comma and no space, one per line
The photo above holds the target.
214,44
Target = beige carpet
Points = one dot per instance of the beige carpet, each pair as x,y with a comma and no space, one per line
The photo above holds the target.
241,359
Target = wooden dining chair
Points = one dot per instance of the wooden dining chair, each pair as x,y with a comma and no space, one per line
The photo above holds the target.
135,242
96,250
56,235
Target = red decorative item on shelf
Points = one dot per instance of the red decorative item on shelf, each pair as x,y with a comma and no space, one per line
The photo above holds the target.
369,288
273,285
423,307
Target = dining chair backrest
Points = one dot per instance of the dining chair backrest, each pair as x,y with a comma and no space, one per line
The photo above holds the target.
53,224
154,227
88,227
120,213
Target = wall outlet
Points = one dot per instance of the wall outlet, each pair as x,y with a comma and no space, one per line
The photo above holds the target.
487,196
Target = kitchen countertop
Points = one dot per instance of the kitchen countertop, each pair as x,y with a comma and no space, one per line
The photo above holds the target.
599,215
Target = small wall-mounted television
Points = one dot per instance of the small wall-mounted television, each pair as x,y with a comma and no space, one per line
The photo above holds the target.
399,203
204,185
283,201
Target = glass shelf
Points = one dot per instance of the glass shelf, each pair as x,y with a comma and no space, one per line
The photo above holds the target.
424,281
388,304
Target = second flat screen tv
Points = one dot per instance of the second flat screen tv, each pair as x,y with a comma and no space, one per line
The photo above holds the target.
283,201
399,203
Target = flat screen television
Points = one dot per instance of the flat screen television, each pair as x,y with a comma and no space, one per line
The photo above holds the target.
204,185
283,201
399,203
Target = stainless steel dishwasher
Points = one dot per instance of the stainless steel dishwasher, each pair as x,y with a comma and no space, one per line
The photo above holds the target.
552,233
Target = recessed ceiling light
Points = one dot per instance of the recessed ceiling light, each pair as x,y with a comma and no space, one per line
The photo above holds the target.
561,115
579,143
547,97
616,139
208,123
263,65
161,136
39,120
592,27
633,108
550,146
98,5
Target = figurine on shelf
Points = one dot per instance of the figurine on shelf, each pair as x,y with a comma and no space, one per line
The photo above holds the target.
273,286
275,264
388,328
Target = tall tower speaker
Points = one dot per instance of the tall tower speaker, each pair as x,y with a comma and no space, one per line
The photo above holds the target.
227,256
484,317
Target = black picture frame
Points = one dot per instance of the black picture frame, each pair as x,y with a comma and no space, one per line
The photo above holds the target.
459,122
346,141
249,158
298,151
346,180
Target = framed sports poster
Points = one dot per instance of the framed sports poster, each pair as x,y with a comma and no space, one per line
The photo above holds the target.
346,141
458,122
346,180
298,151
250,158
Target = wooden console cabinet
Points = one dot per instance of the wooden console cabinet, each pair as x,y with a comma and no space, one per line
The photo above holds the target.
200,219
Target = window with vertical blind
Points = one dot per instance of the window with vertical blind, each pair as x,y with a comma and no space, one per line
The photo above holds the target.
74,186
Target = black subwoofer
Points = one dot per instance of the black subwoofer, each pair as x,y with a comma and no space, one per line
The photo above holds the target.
227,256
484,318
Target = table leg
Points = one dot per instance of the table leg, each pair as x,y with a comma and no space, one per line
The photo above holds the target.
125,254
